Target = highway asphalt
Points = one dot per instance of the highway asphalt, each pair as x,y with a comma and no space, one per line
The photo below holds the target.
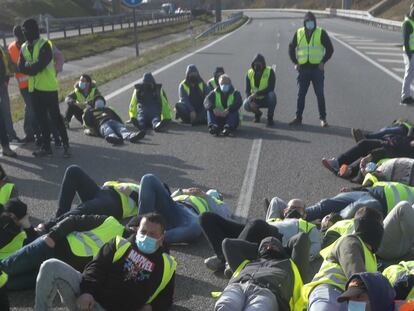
358,94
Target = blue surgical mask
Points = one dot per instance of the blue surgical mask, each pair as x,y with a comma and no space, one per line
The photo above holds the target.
310,24
357,305
82,85
146,244
99,104
225,88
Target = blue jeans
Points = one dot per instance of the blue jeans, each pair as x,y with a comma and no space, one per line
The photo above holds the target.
269,101
183,111
114,128
324,298
22,266
306,75
345,203
5,111
231,121
181,222
397,130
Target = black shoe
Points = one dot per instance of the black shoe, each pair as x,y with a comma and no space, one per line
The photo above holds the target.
66,152
226,131
15,139
135,137
114,140
42,153
159,127
27,139
266,204
407,101
7,152
257,116
214,130
270,122
295,122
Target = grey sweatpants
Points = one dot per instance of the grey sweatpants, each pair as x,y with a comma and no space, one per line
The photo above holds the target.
246,297
408,77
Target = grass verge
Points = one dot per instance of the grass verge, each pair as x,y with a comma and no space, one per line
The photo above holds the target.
116,70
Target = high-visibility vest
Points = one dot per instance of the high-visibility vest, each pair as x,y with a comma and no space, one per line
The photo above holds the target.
6,61
129,205
303,225
13,246
46,79
3,278
14,52
81,98
403,305
309,52
213,83
371,177
332,273
187,88
198,203
165,106
170,265
396,192
264,80
411,41
342,227
219,103
5,192
88,243
395,272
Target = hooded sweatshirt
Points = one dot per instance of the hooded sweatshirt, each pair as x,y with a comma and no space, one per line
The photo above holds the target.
325,40
149,100
259,58
196,98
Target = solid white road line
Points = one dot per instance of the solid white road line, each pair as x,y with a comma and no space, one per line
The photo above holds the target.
246,191
379,44
387,60
379,48
384,53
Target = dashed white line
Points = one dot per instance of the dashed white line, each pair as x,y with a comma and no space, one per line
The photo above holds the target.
379,48
398,69
384,53
277,46
387,60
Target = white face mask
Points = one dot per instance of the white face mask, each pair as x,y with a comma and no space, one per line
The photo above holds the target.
99,104
357,305
25,222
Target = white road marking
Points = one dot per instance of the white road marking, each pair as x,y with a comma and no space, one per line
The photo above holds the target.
277,46
384,53
399,69
367,41
246,191
379,48
379,44
370,60
387,60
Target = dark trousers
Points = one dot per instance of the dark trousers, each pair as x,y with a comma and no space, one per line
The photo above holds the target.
44,104
4,139
95,200
306,75
4,299
183,111
30,125
74,110
361,149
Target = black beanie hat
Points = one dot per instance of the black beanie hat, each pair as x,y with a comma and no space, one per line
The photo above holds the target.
16,207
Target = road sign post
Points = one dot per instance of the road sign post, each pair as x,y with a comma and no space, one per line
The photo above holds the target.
133,4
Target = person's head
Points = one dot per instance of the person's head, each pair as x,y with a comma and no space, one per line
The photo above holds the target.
369,227
309,21
225,83
150,233
31,29
259,63
215,194
369,292
218,72
148,82
19,35
17,210
99,102
192,75
271,248
295,209
85,82
329,220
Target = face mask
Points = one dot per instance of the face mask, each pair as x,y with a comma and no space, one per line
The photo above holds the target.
25,222
99,104
192,79
82,85
310,25
257,67
356,305
146,244
371,166
225,88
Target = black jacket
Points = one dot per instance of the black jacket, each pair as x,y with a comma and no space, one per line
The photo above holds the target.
257,77
93,118
210,101
45,57
394,147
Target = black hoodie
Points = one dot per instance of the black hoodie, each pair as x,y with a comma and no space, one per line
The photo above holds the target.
259,58
325,40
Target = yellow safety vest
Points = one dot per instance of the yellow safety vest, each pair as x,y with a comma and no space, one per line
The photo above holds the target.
46,79
396,192
394,272
170,265
309,52
219,103
88,243
81,98
6,61
5,192
303,225
342,227
409,20
264,80
165,106
3,278
198,203
332,273
187,88
13,246
213,83
129,206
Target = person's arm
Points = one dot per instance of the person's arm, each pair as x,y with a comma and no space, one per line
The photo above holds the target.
315,243
407,29
31,235
2,68
382,153
88,119
184,98
329,238
350,255
238,102
165,299
271,85
71,97
292,49
327,43
248,88
236,251
32,69
210,101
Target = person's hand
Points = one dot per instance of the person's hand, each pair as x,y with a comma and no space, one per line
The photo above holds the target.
40,228
85,302
321,66
193,116
146,308
254,106
225,113
364,161
49,241
217,112
345,189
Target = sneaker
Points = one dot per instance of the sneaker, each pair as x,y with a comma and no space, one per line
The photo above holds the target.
227,271
257,117
7,152
214,130
331,164
136,136
27,139
114,140
159,126
66,152
214,263
407,101
344,171
357,134
40,153
324,123
226,131
266,204
295,122
270,122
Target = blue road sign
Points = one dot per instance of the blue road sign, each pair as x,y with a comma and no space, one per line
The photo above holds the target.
132,3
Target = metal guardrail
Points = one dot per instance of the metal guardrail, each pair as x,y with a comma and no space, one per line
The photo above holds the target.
221,25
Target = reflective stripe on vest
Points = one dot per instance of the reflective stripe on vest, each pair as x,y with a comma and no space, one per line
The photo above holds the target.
264,80
129,206
88,243
5,192
187,88
13,246
21,78
46,79
81,98
3,278
309,52
198,203
411,40
342,227
297,285
395,193
170,265
219,103
213,83
303,225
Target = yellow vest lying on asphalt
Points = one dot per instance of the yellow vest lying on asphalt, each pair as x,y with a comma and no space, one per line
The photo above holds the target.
129,205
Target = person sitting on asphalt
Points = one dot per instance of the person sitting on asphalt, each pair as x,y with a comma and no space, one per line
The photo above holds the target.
350,254
8,189
80,98
181,209
399,127
192,93
101,120
114,198
260,90
149,107
74,240
4,299
213,83
265,277
367,291
371,150
222,105
134,274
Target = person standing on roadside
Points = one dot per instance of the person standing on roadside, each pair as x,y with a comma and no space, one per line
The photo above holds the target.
408,47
